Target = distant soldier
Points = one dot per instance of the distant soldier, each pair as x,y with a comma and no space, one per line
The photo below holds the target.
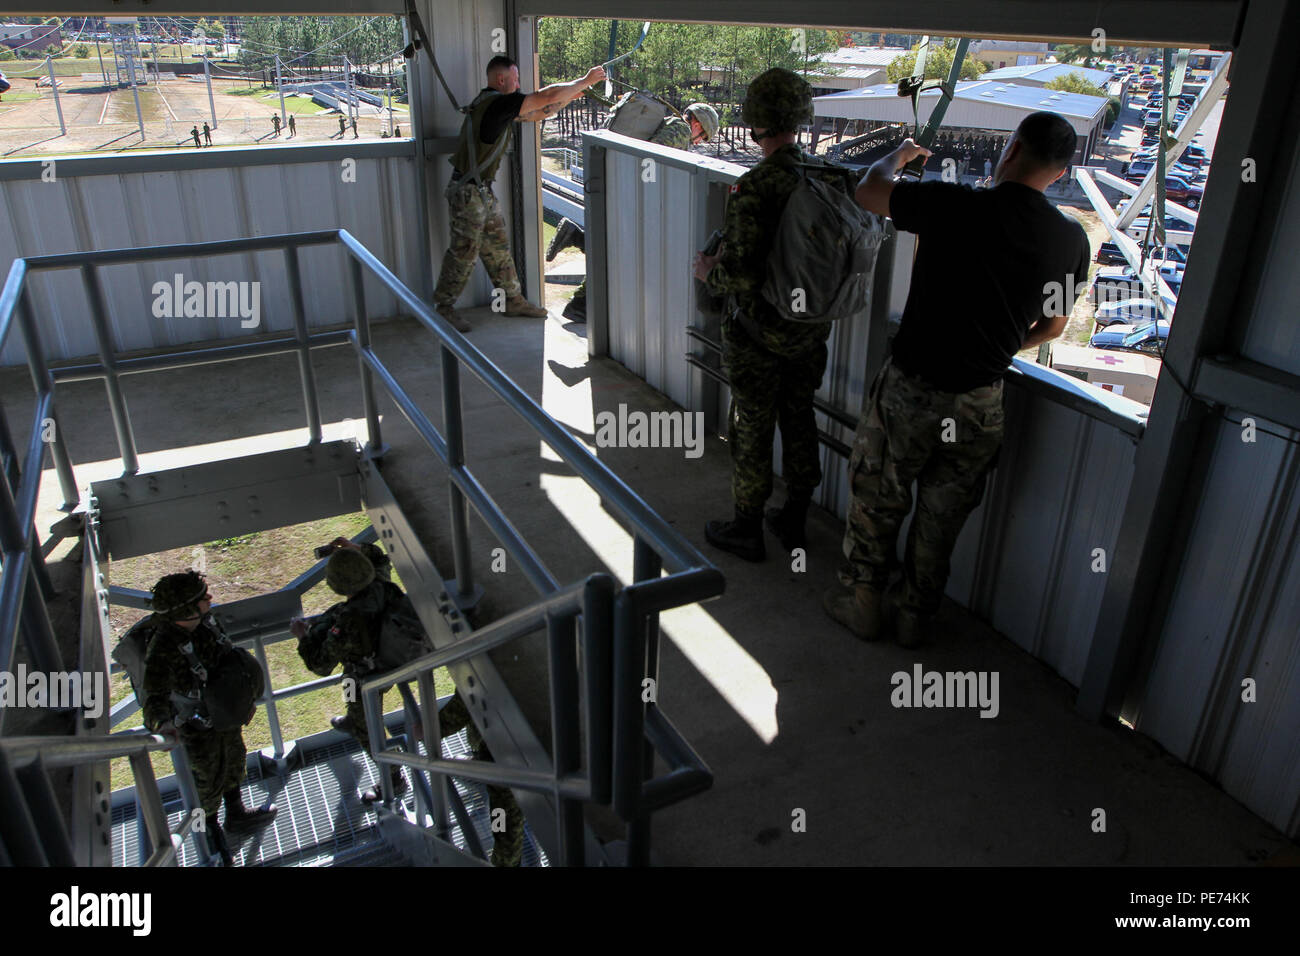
477,227
699,124
988,168
397,131
293,127
188,665
207,135
343,125
275,123
354,127
195,133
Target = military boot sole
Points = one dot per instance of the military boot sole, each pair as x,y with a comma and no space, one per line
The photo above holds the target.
751,549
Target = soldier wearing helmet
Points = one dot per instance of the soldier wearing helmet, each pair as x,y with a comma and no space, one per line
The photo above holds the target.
698,124
349,634
188,643
774,365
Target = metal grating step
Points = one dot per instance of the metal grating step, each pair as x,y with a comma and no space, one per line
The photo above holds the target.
321,820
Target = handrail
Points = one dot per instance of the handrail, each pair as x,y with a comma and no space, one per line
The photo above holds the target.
619,764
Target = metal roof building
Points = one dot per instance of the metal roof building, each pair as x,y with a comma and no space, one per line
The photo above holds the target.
978,104
1045,73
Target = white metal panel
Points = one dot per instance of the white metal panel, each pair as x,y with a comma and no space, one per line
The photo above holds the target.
1273,335
1234,616
150,207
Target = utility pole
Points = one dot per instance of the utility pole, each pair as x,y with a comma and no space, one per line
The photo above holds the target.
135,91
100,54
347,85
157,75
207,77
279,85
54,87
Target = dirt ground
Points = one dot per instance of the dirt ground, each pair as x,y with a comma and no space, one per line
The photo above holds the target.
104,120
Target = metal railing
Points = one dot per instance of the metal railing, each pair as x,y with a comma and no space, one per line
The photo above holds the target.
34,831
625,727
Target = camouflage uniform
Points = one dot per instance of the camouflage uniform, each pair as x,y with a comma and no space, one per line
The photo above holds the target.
477,227
775,366
216,756
348,634
507,846
674,132
901,439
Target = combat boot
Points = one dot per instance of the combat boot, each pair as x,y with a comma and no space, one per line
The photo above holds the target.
787,522
376,793
517,305
860,609
567,233
742,536
458,321
239,819
342,723
576,310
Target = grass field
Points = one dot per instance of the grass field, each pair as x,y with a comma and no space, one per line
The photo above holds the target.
239,568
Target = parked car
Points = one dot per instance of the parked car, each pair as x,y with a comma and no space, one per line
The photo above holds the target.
1150,338
1120,283
1134,312
1181,191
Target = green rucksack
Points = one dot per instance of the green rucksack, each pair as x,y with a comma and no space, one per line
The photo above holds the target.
401,635
824,252
226,694
638,115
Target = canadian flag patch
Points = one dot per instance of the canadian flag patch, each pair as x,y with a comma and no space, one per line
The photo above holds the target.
735,188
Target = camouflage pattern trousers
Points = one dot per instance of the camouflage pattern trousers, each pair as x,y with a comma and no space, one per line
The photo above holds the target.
944,441
768,390
217,762
507,844
477,231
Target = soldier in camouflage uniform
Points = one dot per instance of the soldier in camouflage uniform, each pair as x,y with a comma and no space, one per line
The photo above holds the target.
181,603
934,414
477,228
774,365
698,125
347,634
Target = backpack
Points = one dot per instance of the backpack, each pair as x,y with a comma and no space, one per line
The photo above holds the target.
637,114
226,694
401,635
824,253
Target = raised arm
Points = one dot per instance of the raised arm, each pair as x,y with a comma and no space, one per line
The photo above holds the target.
549,100
876,186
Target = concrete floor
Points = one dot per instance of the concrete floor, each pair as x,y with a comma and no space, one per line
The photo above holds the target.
791,713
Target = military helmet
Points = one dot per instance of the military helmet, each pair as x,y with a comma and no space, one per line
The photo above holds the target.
176,597
778,101
348,572
707,117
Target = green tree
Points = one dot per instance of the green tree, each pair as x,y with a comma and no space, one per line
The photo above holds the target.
81,51
1076,83
937,64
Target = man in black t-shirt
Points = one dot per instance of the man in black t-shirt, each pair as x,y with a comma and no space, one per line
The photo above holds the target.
934,415
477,228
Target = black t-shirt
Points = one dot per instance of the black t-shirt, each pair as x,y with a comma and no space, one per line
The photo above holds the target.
500,114
983,259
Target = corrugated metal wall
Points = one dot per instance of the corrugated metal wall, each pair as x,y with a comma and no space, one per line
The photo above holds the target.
1024,561
140,204
1235,610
